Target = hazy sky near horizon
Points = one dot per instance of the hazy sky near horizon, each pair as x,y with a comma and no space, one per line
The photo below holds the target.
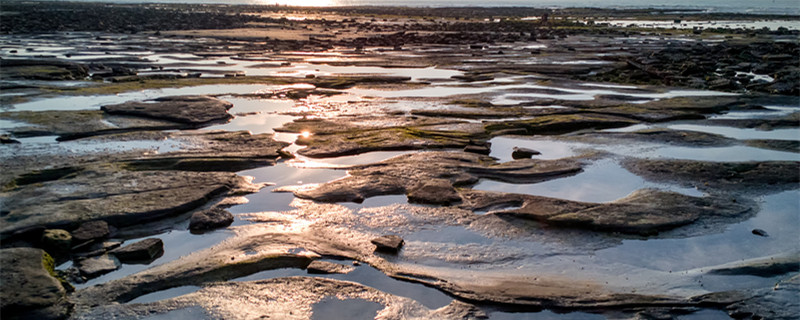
742,6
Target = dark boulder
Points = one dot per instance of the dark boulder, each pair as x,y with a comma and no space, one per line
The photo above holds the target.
388,243
192,110
523,153
145,250
437,191
210,219
94,267
91,230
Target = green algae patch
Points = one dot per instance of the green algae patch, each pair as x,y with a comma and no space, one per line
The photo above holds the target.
333,82
561,123
777,145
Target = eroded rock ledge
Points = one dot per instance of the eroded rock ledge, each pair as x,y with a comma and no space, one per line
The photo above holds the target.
431,177
643,212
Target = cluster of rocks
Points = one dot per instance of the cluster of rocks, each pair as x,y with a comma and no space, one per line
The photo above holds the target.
25,17
727,66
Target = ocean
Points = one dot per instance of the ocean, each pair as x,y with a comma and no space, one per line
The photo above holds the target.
783,7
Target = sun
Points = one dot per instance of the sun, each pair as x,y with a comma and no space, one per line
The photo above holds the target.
302,3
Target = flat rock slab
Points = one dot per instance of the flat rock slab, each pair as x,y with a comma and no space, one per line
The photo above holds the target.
762,267
193,110
96,266
210,219
144,250
645,211
281,298
81,123
120,197
388,243
324,267
42,69
437,191
349,136
29,289
426,175
732,176
561,123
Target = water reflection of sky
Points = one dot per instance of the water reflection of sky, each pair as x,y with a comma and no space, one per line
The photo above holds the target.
602,181
779,216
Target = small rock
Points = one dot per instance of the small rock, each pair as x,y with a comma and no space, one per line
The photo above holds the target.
210,219
97,266
96,249
436,191
523,153
388,243
478,149
6,139
324,267
58,240
71,274
145,250
760,232
91,230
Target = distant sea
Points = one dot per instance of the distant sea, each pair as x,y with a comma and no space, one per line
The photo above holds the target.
783,7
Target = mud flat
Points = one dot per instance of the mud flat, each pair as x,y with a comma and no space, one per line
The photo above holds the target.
241,162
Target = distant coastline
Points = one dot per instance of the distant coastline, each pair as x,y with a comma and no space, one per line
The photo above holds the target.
774,7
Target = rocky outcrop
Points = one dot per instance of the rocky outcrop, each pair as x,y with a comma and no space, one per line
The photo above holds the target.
425,176
142,251
119,197
191,110
90,231
644,212
739,176
30,291
210,219
96,266
42,69
388,243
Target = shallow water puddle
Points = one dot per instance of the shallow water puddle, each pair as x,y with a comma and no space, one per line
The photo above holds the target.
177,243
48,145
368,276
543,315
282,174
742,134
778,216
256,115
447,234
95,102
359,159
374,202
602,181
771,111
165,294
725,154
730,132
190,313
502,147
336,309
